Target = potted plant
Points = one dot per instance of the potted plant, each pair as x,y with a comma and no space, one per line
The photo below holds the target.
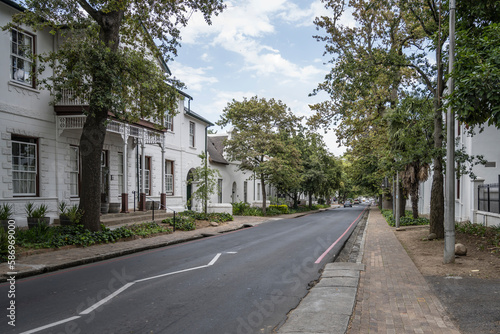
36,214
74,215
63,214
6,213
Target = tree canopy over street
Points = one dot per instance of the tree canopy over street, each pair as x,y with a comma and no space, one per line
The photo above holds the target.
386,94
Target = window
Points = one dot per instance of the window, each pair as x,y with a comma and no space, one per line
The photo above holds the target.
169,122
20,62
147,175
121,188
74,162
24,166
169,177
219,190
245,192
191,134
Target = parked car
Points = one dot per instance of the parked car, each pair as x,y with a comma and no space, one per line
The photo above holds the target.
347,204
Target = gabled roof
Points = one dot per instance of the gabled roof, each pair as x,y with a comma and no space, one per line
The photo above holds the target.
215,148
191,113
13,5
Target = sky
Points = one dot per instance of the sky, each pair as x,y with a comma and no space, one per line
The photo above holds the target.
261,48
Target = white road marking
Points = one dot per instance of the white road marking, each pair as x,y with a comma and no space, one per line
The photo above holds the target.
168,274
51,325
117,292
211,263
108,298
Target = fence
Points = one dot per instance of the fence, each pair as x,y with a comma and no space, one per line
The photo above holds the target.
488,197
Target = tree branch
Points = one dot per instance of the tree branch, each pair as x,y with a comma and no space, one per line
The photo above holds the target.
97,16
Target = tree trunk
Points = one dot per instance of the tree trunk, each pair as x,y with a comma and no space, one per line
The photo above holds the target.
295,200
91,144
436,222
310,200
402,201
94,129
414,200
264,195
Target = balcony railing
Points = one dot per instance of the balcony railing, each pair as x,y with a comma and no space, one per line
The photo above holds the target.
69,99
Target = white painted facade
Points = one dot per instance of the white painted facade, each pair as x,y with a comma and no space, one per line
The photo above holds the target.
466,192
237,185
27,120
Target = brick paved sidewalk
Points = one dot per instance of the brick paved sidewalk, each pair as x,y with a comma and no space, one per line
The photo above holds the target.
393,296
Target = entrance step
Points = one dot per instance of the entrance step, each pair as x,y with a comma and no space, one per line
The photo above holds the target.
133,217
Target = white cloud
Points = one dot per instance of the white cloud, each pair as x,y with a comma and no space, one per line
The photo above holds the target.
194,78
241,29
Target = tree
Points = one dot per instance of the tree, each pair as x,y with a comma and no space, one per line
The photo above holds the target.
205,179
377,62
321,171
476,96
255,139
410,139
111,52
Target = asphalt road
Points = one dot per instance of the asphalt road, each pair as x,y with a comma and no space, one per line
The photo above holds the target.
471,302
239,282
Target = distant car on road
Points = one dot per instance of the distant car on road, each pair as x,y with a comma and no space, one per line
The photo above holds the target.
356,201
347,204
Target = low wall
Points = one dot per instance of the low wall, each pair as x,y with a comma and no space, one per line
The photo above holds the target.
220,208
486,218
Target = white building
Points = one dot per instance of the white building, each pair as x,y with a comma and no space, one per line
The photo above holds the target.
235,185
40,143
468,205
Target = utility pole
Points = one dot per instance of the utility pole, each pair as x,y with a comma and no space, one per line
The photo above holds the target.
449,224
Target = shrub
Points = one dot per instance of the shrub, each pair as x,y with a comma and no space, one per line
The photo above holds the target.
252,211
182,222
283,209
239,208
218,217
44,236
407,220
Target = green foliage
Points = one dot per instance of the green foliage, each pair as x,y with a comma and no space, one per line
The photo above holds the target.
239,208
147,229
406,220
490,233
259,126
283,209
206,180
252,211
44,236
74,214
476,96
182,223
218,217
33,211
6,211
